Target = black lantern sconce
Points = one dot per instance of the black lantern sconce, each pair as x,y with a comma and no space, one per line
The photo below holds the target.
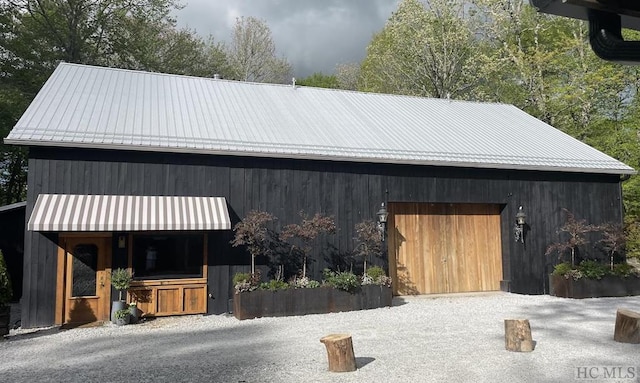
521,221
382,221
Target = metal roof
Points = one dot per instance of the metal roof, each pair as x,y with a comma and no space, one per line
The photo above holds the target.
106,108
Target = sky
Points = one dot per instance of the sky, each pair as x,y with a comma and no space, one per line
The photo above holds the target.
314,35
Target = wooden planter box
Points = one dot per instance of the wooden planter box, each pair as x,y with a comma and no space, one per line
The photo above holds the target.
608,286
264,303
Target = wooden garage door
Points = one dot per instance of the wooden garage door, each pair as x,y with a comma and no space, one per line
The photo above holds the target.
444,248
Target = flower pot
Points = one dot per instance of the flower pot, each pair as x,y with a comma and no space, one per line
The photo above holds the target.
123,321
115,306
136,313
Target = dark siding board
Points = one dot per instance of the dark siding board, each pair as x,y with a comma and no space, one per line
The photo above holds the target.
350,192
218,282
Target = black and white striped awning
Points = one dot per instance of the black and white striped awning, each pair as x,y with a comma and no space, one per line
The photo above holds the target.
71,212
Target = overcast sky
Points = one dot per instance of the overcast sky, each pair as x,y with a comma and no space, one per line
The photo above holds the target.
314,35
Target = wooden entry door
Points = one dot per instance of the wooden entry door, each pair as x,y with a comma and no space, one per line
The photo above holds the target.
86,282
444,248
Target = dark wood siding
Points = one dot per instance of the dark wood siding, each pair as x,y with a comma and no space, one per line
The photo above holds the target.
349,191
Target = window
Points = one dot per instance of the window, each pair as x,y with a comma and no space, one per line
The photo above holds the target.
85,267
164,256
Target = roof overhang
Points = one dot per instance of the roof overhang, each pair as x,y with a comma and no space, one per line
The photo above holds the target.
13,206
356,157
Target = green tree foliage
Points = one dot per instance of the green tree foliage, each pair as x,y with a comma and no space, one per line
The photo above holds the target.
252,53
319,80
35,35
424,51
540,63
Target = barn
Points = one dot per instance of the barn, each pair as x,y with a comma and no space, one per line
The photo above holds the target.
150,172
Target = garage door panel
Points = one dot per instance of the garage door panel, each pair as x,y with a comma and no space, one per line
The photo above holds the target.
442,248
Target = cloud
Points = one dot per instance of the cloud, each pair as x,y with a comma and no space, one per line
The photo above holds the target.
313,35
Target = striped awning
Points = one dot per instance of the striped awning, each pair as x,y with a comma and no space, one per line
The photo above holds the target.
71,212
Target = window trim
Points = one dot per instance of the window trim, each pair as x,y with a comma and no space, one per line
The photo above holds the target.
160,281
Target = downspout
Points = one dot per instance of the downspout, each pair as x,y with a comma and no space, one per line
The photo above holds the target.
605,36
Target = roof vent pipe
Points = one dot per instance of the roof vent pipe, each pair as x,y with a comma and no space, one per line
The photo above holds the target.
293,82
216,76
605,36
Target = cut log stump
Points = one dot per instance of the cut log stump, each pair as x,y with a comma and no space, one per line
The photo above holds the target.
627,327
340,352
517,335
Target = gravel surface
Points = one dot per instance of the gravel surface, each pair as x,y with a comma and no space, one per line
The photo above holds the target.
443,339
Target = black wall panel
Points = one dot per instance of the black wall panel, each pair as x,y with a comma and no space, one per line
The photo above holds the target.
349,191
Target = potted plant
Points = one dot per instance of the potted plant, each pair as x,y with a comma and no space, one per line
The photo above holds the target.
5,297
135,312
120,280
122,317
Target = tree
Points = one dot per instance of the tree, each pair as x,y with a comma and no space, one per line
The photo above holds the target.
369,241
348,76
252,53
35,35
577,230
306,232
252,232
424,51
613,240
319,80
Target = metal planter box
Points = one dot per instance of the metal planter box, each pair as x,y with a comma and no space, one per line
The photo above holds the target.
264,303
608,286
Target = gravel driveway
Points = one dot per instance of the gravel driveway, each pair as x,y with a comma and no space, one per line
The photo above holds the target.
444,339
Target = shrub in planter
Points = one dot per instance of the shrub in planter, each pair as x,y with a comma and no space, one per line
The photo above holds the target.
624,270
303,283
593,279
592,269
246,281
274,285
122,317
343,280
376,276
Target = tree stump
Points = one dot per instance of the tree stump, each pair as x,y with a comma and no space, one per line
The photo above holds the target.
340,352
627,327
517,335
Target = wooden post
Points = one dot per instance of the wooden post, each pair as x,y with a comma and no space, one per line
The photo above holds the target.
517,335
627,327
340,352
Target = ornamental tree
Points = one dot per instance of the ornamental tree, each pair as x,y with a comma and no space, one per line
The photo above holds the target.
253,233
301,235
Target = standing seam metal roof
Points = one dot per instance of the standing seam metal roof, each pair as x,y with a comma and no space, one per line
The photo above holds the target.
95,107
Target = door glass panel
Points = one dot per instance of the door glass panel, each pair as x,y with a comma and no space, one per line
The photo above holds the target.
85,267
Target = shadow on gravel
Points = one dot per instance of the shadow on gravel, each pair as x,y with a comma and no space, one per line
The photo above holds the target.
398,301
33,334
363,361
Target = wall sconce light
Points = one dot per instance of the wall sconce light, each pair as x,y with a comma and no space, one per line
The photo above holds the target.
521,221
122,242
382,221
